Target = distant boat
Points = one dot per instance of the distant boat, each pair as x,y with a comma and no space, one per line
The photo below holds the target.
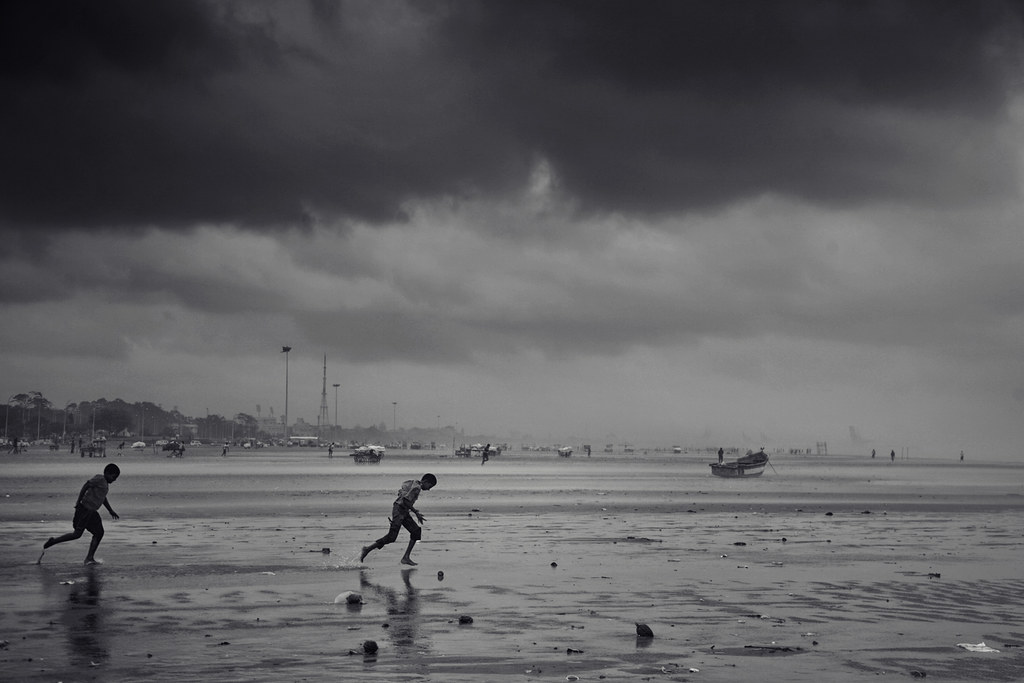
368,454
750,465
564,451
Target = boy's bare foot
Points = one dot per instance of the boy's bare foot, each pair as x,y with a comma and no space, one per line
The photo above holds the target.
92,560
406,560
48,543
366,551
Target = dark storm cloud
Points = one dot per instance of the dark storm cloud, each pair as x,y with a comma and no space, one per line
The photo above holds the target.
66,42
108,118
172,113
674,105
916,53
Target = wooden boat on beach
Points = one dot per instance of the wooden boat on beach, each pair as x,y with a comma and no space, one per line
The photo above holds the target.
750,465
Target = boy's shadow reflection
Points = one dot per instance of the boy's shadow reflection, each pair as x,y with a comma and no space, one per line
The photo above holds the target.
402,608
83,618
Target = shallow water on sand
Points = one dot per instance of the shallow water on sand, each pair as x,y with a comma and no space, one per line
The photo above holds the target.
838,567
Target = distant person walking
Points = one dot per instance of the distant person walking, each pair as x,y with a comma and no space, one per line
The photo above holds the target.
872,453
485,456
892,455
961,456
330,450
401,516
87,516
721,456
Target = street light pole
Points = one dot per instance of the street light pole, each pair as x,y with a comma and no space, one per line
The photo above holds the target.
285,350
394,417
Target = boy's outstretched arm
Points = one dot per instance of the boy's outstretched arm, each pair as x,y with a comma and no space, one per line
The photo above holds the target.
110,509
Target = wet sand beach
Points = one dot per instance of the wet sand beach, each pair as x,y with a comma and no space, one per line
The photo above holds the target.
836,568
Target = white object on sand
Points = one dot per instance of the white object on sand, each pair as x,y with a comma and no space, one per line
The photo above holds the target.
980,647
349,598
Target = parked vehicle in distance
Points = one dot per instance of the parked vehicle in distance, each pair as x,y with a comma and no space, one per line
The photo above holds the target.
368,454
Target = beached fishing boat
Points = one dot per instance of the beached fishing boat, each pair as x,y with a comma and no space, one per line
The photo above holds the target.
368,454
564,451
750,465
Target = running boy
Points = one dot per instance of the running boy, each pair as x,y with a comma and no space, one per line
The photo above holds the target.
400,517
87,516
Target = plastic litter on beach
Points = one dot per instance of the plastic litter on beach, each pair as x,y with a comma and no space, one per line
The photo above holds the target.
348,598
980,647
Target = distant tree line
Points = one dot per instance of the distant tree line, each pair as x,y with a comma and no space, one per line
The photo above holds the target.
31,417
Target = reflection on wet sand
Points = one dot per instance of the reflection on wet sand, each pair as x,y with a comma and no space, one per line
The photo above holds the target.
83,618
402,609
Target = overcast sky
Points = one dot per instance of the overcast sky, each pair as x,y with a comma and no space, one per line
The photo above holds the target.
659,222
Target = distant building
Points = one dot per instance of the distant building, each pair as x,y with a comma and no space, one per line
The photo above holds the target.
270,425
302,428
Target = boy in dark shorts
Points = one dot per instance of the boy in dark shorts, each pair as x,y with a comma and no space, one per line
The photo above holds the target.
400,516
87,516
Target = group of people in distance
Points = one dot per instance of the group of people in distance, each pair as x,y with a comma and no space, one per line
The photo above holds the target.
94,495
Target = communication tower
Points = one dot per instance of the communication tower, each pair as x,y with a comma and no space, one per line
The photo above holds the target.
321,420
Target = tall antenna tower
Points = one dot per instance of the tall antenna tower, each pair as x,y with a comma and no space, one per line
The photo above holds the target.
322,419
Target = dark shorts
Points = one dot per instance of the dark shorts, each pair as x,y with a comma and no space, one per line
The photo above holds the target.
400,517
89,520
